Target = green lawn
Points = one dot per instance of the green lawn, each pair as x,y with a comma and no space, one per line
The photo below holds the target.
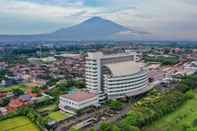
18,124
58,116
175,121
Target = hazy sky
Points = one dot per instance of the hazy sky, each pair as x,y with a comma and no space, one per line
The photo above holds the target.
164,19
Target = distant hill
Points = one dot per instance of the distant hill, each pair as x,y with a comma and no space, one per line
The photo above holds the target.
95,28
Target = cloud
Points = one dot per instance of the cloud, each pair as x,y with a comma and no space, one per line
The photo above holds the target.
161,18
42,13
78,14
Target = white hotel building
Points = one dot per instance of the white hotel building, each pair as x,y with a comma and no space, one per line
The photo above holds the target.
108,77
115,76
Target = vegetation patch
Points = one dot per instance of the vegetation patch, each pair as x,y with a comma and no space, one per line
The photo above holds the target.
13,88
58,116
179,120
19,123
115,104
171,60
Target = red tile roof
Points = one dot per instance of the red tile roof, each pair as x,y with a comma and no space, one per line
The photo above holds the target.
80,96
15,104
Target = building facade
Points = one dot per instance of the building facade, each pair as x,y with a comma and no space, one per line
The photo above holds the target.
115,76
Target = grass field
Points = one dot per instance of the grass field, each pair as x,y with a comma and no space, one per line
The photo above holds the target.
175,121
58,116
18,124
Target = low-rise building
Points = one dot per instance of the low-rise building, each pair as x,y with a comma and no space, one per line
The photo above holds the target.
3,111
192,66
15,104
77,101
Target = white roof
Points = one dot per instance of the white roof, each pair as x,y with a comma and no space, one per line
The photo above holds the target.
100,55
124,68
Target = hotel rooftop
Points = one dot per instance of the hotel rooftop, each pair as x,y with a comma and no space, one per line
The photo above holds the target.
124,68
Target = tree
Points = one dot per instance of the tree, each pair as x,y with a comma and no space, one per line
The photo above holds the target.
194,123
115,128
127,127
133,118
115,105
3,74
51,82
35,90
189,94
182,87
4,101
44,87
105,126
79,84
18,92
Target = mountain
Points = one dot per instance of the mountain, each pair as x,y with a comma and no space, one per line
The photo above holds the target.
95,28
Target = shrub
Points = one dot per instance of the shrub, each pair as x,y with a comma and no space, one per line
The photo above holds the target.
105,126
189,94
115,105
4,101
127,127
194,123
18,91
36,90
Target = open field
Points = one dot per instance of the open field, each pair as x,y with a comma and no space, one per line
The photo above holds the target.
18,124
58,116
176,120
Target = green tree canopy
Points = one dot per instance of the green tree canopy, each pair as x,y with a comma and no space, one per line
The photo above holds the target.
36,90
18,91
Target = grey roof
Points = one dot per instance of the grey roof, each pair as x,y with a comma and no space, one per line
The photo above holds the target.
100,55
124,68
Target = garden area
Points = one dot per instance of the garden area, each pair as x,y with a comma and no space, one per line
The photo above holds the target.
51,113
19,123
58,116
183,117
